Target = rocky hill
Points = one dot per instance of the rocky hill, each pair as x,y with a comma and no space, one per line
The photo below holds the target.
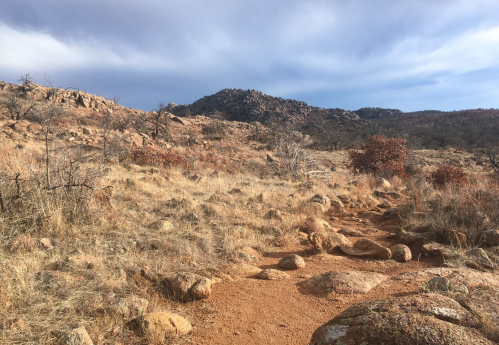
252,105
375,113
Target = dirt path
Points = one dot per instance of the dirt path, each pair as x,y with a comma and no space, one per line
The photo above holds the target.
254,311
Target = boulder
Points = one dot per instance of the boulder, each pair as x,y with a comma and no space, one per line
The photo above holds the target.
344,282
327,242
401,253
312,209
188,286
292,262
273,214
321,199
248,254
74,335
445,285
477,258
242,270
159,326
366,248
271,274
335,201
425,319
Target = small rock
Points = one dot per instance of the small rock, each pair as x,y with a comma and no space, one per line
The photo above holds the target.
366,248
401,253
75,335
249,254
327,242
160,326
479,259
321,199
312,209
46,243
161,225
274,214
292,262
351,232
271,274
188,286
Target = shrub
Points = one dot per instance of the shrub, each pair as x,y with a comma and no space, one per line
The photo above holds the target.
382,156
449,174
154,156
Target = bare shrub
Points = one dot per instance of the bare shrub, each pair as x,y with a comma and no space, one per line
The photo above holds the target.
293,160
382,156
449,174
155,156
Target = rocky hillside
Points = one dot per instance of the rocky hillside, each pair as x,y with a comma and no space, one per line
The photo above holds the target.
376,113
252,105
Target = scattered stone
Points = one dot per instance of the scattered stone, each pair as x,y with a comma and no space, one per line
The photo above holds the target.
387,195
221,197
351,232
129,307
347,282
74,335
249,254
242,270
188,287
336,202
236,191
161,225
312,209
162,325
79,261
59,279
382,183
292,262
271,274
401,253
425,319
46,243
327,242
366,248
273,214
321,199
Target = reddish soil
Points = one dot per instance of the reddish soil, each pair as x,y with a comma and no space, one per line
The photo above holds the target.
254,311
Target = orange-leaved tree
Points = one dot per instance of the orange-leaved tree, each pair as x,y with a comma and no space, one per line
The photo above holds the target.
382,156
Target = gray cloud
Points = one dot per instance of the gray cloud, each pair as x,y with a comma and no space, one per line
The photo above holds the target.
413,54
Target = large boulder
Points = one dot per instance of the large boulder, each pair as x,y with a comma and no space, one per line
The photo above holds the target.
327,242
366,248
426,319
345,282
292,262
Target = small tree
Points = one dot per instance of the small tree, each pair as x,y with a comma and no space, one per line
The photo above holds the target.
382,156
159,119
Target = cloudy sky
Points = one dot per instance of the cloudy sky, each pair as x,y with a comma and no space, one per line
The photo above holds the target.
411,54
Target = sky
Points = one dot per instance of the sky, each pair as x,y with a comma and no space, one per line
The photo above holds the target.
411,54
